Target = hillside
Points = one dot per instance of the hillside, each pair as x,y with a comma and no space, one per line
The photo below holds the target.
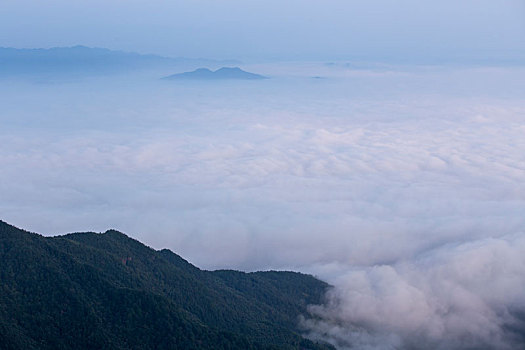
108,291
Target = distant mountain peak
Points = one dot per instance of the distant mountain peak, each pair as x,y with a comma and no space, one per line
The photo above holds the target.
81,60
224,73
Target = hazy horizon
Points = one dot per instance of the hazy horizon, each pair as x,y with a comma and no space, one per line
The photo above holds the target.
383,30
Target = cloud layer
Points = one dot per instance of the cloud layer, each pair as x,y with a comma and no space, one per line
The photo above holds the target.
404,188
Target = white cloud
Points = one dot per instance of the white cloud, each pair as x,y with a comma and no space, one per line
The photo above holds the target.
454,297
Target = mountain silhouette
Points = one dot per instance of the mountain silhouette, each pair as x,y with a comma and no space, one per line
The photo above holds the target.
82,60
224,73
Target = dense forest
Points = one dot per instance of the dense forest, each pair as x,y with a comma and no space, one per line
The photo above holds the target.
108,291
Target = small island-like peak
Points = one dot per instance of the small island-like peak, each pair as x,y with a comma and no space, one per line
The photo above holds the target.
224,73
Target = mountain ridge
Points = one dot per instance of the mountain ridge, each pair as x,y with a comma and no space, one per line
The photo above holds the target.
83,60
107,290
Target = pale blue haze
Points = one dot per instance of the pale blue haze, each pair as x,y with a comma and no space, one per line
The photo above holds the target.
293,29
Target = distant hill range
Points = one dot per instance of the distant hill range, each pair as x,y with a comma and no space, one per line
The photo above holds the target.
108,291
82,60
224,73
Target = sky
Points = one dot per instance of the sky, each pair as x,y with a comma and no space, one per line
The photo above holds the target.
401,183
406,30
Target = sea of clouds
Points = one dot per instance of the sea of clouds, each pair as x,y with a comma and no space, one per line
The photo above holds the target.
402,187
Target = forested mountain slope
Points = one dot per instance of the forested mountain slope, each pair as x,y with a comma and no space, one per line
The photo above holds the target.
108,291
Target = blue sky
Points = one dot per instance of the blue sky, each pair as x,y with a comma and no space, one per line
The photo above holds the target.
271,29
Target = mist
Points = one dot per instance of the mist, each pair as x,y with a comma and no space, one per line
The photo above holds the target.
403,186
